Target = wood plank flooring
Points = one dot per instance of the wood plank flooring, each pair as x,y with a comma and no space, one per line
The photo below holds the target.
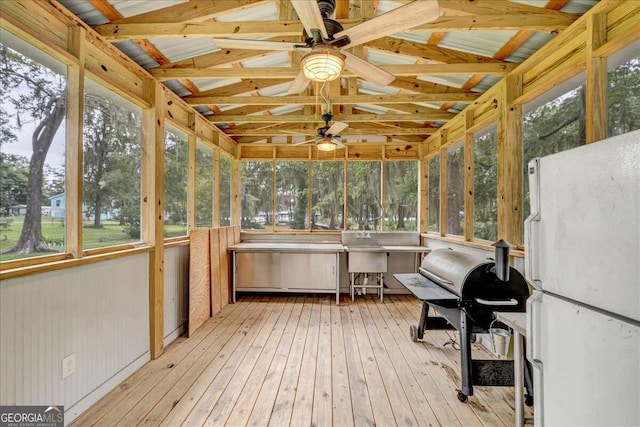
302,361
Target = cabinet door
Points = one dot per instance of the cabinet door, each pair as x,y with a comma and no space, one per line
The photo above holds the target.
308,271
258,270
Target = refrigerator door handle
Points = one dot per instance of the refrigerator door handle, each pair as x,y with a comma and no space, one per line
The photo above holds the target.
532,271
533,331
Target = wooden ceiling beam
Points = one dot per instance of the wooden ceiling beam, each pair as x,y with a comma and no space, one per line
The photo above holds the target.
347,118
494,7
311,131
542,22
339,100
290,72
415,109
244,110
193,10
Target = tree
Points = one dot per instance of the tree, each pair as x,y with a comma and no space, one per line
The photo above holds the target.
37,95
328,194
176,167
111,160
14,178
256,193
363,188
401,194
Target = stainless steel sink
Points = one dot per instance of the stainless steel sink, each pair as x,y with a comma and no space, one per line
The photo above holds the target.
366,255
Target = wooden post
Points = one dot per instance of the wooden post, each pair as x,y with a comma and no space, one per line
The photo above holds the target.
423,191
443,191
216,181
235,193
468,176
74,145
510,161
596,91
191,185
153,208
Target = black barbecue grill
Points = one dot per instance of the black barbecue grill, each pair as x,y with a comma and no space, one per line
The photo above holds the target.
466,290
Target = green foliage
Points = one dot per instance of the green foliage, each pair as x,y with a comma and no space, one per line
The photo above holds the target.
204,186
434,193
225,190
256,194
401,195
623,98
455,191
291,193
485,187
14,176
176,175
363,193
328,195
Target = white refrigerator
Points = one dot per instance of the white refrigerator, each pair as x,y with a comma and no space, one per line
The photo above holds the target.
582,244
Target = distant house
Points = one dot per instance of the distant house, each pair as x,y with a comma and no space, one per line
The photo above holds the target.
58,205
17,210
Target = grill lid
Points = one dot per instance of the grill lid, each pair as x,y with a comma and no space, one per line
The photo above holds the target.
450,268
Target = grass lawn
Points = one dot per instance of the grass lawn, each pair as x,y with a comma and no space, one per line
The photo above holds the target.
111,234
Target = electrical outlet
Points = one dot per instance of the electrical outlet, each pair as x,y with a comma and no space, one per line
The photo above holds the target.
68,365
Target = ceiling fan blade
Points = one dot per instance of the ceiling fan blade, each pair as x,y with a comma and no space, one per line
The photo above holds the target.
336,128
366,70
408,16
309,14
299,84
339,143
305,142
258,45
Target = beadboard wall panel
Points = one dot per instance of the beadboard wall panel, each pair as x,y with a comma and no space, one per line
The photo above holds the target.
98,311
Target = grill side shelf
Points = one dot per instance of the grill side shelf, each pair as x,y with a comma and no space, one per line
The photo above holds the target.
426,290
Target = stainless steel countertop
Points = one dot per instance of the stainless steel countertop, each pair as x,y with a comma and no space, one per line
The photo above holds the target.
322,248
387,248
288,247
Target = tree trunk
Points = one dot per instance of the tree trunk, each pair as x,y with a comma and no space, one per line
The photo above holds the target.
31,236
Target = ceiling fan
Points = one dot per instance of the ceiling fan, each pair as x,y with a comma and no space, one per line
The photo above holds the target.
327,138
328,40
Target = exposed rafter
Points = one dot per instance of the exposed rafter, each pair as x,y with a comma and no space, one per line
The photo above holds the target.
348,118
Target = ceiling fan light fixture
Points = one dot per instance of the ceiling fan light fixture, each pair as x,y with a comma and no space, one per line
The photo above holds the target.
326,144
323,64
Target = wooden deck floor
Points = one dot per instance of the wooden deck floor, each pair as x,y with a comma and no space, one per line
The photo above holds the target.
300,361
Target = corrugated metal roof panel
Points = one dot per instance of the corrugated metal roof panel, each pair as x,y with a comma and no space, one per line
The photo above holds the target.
177,87
135,52
275,90
208,84
378,57
279,59
486,83
177,49
85,11
136,7
372,89
485,43
456,81
530,46
285,109
259,12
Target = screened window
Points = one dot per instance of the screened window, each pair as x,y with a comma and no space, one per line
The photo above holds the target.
204,186
455,190
176,176
623,96
434,193
292,192
401,195
225,191
256,195
112,168
328,195
32,145
555,124
363,191
485,185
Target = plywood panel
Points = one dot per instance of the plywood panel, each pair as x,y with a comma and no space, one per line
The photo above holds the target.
223,261
236,234
230,241
216,301
199,280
